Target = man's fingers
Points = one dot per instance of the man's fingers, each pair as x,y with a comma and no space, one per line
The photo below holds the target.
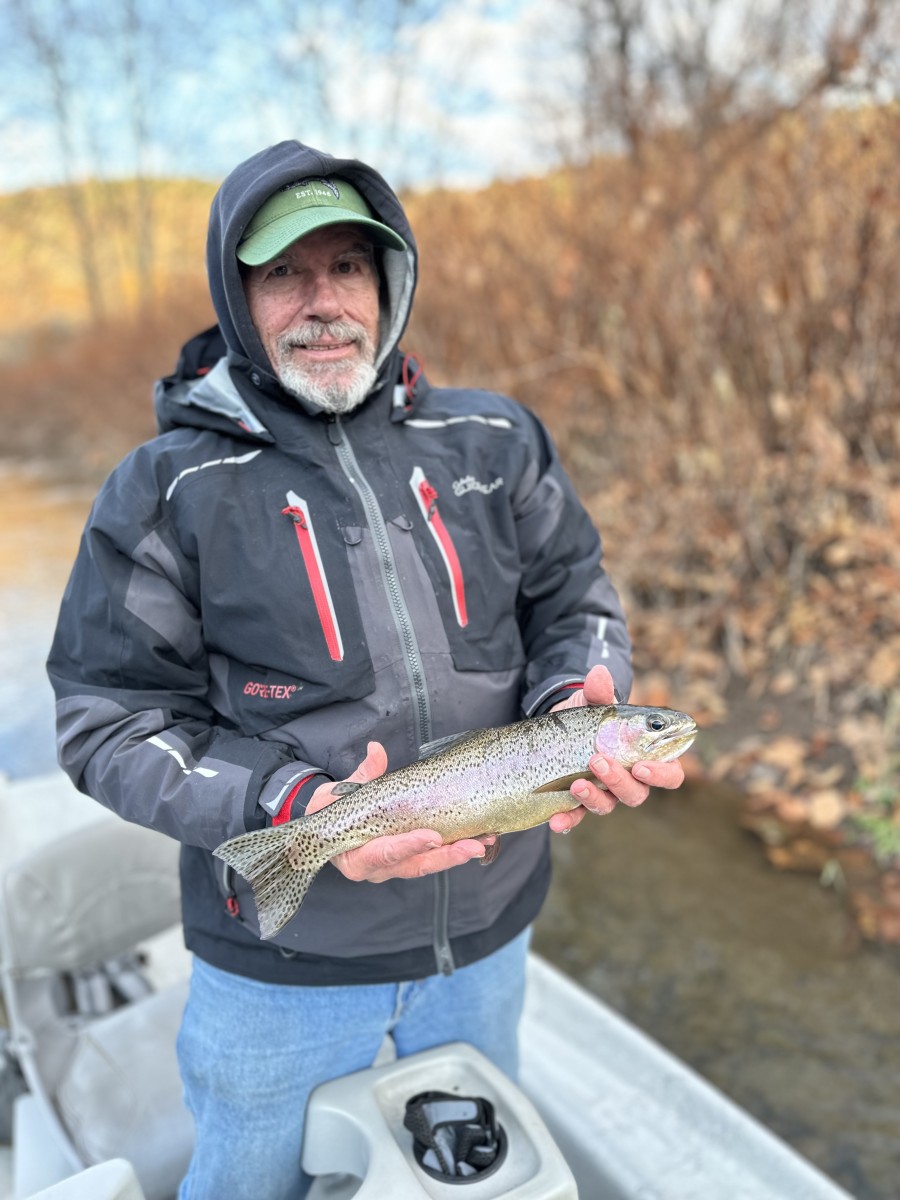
373,765
595,799
660,774
617,785
406,856
564,821
598,689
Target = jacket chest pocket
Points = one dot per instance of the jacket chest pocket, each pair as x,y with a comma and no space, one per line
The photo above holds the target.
320,589
284,623
475,576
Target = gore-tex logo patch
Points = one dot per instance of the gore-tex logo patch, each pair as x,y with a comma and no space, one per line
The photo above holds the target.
271,691
469,483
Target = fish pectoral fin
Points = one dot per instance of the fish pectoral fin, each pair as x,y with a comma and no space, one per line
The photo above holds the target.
491,852
563,783
346,788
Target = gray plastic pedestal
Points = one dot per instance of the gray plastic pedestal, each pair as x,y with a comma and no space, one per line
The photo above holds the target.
354,1125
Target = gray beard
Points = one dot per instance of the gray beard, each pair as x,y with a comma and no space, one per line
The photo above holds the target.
333,387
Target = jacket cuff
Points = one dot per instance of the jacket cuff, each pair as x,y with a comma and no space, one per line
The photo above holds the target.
288,792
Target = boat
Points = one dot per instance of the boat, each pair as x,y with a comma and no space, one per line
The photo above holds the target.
601,1112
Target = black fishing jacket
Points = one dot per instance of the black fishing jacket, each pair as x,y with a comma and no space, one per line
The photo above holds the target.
263,588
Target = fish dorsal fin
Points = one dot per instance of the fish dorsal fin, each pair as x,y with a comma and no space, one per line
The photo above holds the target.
345,788
430,749
563,783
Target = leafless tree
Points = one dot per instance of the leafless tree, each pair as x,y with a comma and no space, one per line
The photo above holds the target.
642,66
48,50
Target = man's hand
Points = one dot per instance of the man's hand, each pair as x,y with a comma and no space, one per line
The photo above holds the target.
395,856
622,786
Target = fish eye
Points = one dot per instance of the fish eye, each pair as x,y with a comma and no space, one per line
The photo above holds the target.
656,723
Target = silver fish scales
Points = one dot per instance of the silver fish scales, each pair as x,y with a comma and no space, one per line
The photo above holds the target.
493,781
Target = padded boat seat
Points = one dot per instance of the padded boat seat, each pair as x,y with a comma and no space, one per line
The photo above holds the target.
107,1084
120,1095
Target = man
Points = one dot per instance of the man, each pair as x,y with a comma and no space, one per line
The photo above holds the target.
319,565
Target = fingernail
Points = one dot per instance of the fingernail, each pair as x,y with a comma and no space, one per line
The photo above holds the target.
581,790
599,765
642,773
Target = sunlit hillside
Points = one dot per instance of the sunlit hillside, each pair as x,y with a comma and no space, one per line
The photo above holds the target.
100,249
710,332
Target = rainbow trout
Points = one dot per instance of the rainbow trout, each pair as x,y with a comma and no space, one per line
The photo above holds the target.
492,781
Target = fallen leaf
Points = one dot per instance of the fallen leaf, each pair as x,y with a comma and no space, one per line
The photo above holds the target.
827,808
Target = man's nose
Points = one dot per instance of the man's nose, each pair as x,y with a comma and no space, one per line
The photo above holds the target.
322,300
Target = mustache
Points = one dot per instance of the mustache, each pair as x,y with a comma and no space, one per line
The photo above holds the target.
310,333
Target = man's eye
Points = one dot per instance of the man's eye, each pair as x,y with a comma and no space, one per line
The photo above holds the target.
280,271
349,267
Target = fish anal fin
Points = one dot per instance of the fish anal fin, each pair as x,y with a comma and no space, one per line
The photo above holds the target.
491,851
563,783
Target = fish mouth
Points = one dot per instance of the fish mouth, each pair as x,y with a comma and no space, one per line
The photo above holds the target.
675,743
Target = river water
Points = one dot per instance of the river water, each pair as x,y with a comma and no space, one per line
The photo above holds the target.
670,913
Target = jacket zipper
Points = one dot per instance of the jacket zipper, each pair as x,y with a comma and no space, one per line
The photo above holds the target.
413,659
402,620
298,511
427,498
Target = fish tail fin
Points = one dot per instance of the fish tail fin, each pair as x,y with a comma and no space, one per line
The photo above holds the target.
279,864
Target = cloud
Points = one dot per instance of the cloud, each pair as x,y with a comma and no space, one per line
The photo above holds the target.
438,100
29,154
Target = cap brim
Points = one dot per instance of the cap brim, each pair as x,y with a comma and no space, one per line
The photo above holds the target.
274,238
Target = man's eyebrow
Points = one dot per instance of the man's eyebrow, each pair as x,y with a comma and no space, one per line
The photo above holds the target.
365,249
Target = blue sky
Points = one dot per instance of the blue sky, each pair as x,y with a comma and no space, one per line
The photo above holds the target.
457,92
448,96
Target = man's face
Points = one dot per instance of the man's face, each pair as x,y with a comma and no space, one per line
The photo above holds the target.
315,308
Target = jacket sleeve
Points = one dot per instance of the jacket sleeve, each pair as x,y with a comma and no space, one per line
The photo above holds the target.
569,612
129,668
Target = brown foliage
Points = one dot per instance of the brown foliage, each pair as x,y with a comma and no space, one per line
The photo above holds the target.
83,398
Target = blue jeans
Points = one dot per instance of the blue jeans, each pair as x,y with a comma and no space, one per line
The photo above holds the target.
250,1054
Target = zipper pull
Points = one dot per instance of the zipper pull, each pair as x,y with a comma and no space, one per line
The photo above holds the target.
429,498
297,515
335,433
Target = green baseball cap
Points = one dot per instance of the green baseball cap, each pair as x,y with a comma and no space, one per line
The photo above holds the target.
303,206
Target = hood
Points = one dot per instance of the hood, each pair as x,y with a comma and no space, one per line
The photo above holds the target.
234,205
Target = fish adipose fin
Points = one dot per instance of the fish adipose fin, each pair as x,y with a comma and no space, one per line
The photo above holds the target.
563,783
279,864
